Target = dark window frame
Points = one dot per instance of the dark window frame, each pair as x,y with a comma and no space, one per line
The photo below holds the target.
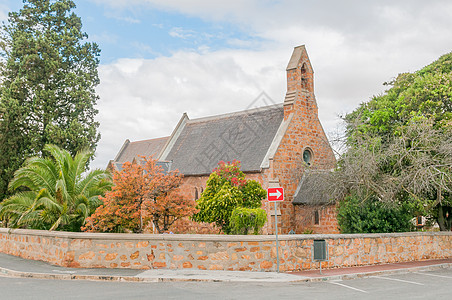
316,217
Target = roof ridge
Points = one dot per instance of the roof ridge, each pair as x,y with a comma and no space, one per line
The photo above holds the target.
237,113
146,140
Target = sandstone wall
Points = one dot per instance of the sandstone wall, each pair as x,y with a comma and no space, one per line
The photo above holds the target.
305,219
305,132
220,252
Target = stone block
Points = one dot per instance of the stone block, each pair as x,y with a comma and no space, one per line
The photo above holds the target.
111,256
266,264
87,255
159,265
216,267
259,255
142,244
240,249
135,255
178,257
219,256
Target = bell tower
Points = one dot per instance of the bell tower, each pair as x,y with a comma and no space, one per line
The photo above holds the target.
300,83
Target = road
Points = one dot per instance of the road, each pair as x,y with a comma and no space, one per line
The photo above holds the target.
422,285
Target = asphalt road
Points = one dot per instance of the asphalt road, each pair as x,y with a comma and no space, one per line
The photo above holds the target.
422,285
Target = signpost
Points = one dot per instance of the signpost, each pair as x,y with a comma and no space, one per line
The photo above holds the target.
276,195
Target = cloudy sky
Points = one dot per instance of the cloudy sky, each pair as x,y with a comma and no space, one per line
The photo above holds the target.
161,58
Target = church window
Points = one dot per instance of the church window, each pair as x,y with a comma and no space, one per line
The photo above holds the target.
304,79
316,217
307,156
196,194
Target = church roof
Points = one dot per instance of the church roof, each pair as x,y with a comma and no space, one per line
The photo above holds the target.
296,57
198,145
131,150
165,165
313,188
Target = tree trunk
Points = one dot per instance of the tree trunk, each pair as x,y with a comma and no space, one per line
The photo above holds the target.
141,216
156,223
444,219
441,220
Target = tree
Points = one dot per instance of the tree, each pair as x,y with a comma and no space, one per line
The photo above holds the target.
142,193
52,193
227,189
373,216
47,79
245,220
400,144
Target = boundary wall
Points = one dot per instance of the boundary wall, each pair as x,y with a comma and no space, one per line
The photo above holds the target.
220,252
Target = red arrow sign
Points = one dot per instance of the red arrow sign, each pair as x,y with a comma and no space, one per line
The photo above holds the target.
275,194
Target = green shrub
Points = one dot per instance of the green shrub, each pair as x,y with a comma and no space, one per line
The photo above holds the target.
227,189
373,216
243,220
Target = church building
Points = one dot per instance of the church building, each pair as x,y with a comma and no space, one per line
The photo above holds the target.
278,145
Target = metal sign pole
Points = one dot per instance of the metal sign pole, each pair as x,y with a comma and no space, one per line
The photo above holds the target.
276,233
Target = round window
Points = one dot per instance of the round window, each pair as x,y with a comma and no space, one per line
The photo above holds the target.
307,156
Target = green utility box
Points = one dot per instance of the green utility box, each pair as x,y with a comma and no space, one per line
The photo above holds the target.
320,251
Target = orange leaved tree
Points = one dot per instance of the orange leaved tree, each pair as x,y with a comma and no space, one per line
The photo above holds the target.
142,193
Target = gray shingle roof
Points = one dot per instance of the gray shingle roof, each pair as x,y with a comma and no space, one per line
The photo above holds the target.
244,136
165,165
146,148
313,188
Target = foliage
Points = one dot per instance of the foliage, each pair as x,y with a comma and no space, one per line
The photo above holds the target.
399,144
244,219
142,193
227,189
47,88
426,93
373,216
52,193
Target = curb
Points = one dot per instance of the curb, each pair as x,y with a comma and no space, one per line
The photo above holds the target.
19,274
4,272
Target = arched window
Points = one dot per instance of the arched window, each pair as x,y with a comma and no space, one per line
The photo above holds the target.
316,217
307,156
303,69
196,194
304,77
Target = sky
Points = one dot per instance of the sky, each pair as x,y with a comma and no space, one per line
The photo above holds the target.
161,58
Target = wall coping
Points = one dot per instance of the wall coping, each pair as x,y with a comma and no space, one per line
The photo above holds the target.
212,237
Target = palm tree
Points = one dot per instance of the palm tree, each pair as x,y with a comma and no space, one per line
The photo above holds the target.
54,193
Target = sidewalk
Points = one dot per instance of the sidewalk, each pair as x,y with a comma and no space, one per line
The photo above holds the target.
12,266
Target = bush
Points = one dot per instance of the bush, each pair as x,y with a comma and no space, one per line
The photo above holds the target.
226,190
373,216
243,220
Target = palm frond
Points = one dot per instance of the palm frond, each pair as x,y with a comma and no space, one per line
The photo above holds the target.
96,179
38,173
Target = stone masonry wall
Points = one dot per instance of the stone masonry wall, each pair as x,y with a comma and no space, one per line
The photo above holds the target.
304,132
305,219
220,252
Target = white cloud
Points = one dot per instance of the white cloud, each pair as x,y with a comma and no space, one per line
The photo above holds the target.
354,47
141,99
179,32
104,37
3,13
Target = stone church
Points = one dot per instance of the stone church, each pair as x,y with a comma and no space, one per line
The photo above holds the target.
278,145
